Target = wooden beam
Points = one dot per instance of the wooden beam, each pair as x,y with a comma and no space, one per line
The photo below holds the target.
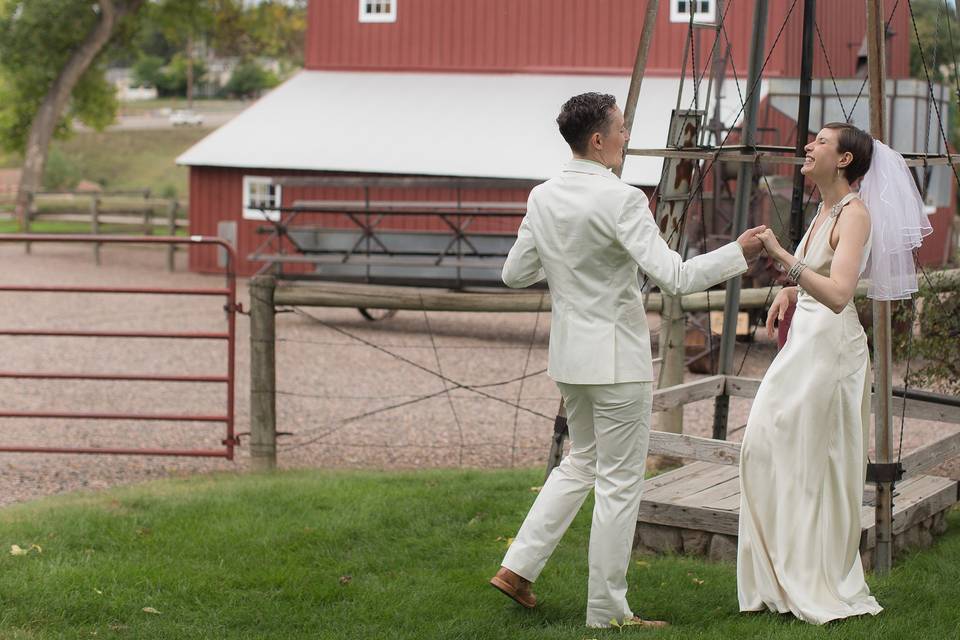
263,375
917,409
931,455
922,410
681,394
741,387
339,294
440,182
766,155
686,517
917,499
694,448
415,206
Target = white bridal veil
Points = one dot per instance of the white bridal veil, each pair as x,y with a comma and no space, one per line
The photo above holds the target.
898,221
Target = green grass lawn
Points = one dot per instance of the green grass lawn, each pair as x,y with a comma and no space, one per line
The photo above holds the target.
57,226
372,555
203,105
128,159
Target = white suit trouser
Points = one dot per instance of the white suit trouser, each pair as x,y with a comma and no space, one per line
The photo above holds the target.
609,428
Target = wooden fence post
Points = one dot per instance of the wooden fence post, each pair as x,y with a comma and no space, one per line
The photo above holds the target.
673,330
95,226
171,231
263,376
28,217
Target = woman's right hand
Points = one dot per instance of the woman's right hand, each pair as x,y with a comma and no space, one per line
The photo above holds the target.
784,298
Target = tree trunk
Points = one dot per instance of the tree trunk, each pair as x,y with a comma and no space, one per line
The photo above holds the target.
190,71
47,116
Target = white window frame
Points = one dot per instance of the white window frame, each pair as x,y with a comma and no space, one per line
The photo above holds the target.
378,14
710,15
253,213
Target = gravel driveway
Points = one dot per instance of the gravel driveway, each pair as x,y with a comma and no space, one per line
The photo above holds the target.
324,376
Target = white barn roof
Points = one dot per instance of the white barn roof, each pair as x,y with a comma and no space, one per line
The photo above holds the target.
473,125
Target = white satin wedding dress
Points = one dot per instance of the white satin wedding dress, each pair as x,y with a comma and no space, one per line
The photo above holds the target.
803,463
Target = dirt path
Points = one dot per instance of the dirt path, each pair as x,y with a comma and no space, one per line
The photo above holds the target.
324,376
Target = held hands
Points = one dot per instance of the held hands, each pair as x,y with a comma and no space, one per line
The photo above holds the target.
750,242
785,297
771,244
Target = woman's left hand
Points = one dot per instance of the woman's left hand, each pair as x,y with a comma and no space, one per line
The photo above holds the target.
770,243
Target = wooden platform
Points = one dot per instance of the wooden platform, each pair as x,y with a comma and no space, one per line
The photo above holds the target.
695,510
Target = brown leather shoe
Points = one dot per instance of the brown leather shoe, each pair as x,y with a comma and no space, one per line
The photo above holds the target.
637,621
514,586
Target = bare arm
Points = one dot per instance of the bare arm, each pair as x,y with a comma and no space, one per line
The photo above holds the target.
836,290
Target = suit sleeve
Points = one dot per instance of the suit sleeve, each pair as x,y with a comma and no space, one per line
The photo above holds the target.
522,267
638,234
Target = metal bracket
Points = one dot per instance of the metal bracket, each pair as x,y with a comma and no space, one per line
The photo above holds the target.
884,472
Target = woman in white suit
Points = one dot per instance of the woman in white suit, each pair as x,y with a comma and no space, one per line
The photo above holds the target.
589,234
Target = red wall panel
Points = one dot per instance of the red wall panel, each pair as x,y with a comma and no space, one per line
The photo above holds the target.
578,36
216,195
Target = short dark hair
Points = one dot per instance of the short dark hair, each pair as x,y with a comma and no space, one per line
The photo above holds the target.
860,145
583,115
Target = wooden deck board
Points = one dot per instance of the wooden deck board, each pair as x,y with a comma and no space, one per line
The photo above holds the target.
706,476
706,497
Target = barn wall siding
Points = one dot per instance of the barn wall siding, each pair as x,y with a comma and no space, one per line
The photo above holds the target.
578,36
216,195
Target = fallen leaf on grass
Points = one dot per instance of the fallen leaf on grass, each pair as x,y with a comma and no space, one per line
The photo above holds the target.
536,489
100,593
697,581
17,550
506,541
151,610
345,579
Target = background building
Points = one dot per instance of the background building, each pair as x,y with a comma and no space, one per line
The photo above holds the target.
470,89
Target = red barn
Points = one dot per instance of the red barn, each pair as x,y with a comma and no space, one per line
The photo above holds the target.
470,89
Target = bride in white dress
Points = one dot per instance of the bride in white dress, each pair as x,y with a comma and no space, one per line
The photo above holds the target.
804,455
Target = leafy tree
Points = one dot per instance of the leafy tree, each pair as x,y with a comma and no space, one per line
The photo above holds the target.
180,76
277,29
52,71
60,172
249,80
940,36
935,352
184,23
148,70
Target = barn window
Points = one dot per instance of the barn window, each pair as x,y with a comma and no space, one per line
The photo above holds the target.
378,10
259,196
703,10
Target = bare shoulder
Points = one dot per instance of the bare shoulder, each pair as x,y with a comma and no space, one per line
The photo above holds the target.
853,224
855,216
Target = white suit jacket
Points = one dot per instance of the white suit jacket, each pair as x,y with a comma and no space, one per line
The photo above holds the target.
588,233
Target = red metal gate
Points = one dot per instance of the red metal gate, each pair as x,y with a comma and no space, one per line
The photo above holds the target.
229,291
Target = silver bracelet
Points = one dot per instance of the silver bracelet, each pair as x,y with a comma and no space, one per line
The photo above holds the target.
794,273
